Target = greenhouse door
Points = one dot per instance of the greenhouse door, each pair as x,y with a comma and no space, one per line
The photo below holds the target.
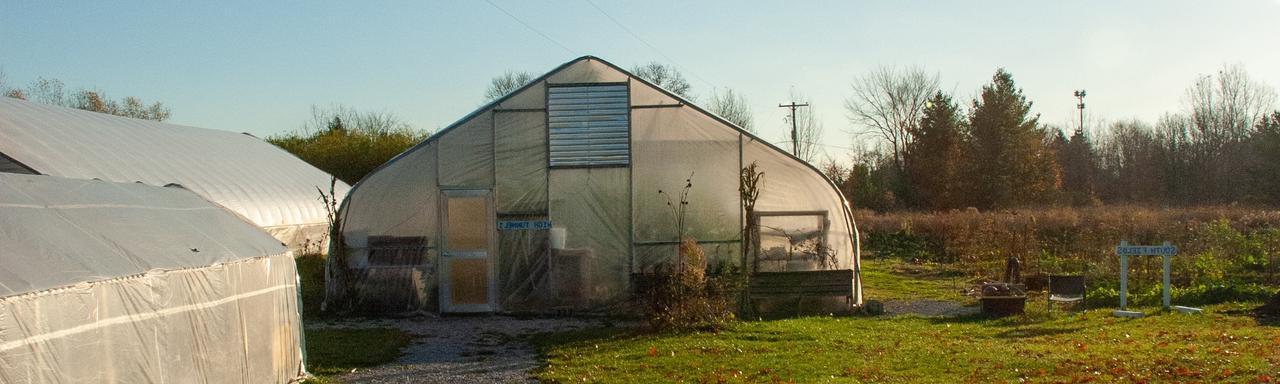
467,265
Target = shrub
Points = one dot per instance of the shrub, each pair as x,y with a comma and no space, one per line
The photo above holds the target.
683,296
349,144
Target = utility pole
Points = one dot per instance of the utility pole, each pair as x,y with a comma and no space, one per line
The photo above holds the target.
1080,96
795,141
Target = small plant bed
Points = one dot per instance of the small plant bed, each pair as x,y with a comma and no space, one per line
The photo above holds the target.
334,351
1088,347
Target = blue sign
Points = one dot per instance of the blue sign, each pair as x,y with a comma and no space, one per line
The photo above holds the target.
524,225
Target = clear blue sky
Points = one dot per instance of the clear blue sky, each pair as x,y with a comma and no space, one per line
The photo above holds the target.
257,66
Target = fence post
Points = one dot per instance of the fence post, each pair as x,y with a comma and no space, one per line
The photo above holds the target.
1165,291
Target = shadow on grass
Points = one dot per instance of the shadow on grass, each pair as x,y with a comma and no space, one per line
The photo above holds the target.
1028,332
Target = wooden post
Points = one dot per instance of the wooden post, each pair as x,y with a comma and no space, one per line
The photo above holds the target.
1124,276
1166,289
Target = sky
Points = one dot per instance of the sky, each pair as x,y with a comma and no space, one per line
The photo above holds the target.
258,67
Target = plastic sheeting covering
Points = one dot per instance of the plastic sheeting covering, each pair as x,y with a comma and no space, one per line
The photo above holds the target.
675,147
520,159
108,282
261,182
393,253
613,219
593,206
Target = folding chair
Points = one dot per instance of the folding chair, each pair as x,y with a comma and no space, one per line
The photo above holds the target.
1066,289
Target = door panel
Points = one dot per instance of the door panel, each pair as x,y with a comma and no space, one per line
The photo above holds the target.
468,221
467,265
469,279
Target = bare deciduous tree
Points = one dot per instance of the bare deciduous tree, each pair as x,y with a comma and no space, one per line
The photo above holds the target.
1225,107
506,83
1222,110
666,77
888,103
732,107
47,91
53,92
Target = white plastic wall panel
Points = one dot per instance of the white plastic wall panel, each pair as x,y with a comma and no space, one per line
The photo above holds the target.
589,125
675,147
592,205
790,185
398,200
124,282
235,322
466,154
396,204
58,232
534,97
643,95
520,162
587,70
259,181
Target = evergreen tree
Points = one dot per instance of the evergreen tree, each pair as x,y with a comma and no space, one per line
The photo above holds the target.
1012,165
937,152
1265,167
1079,163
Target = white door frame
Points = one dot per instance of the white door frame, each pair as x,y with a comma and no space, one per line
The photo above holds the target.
446,292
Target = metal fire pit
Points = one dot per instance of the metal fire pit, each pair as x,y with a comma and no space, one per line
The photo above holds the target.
1002,299
1001,306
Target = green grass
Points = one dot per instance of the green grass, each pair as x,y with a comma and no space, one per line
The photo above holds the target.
1219,346
331,352
311,276
890,279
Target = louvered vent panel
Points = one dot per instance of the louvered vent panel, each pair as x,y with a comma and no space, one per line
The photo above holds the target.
590,125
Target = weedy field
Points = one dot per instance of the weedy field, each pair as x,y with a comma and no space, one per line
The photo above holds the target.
1226,253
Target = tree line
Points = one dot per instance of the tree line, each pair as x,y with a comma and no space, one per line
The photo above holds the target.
1223,147
54,92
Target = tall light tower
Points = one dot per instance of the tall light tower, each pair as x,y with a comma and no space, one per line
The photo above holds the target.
1080,96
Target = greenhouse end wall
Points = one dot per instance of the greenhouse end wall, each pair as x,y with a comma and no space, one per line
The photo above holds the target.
581,232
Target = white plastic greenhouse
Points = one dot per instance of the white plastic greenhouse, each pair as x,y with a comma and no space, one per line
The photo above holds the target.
549,198
104,282
261,182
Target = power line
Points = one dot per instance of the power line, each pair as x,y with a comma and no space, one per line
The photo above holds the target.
646,43
531,28
818,144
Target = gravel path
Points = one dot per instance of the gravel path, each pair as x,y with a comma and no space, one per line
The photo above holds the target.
469,350
927,308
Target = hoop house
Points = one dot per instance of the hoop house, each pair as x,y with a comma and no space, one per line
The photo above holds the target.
548,198
105,282
263,183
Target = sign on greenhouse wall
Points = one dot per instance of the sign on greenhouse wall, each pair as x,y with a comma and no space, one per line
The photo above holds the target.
524,225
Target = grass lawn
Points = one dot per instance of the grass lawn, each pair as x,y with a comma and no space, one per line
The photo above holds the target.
890,279
1222,345
1219,346
331,352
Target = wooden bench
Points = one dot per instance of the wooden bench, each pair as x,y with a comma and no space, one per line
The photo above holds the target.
802,284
